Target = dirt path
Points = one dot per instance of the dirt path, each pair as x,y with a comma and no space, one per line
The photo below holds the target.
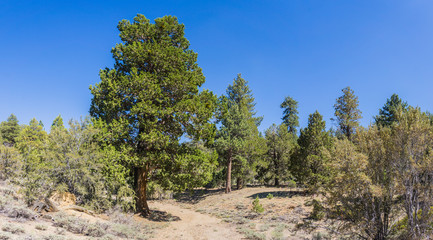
193,225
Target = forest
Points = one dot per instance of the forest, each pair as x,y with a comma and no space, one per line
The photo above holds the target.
153,129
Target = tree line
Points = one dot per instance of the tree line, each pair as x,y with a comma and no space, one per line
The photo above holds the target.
151,124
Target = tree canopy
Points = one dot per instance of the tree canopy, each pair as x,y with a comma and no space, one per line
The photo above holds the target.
290,114
238,129
150,99
347,114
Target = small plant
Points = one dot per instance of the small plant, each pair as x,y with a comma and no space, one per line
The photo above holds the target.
12,229
22,213
4,236
291,184
257,207
53,237
264,227
320,236
277,233
250,234
270,196
41,227
318,212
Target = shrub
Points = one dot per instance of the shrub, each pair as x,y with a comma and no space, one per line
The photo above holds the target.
22,213
5,236
291,184
318,212
320,236
257,207
270,196
41,227
12,229
10,162
250,234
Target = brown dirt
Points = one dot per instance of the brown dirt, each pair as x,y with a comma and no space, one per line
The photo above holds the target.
212,214
188,224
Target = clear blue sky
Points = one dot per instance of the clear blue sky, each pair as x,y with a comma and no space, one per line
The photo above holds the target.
51,51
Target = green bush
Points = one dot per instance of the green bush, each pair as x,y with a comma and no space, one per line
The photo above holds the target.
291,184
257,207
318,212
270,196
52,162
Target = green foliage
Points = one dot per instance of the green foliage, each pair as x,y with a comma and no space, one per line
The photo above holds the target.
270,196
318,212
58,122
388,113
257,207
151,99
10,162
35,178
10,129
290,114
280,144
238,139
389,169
347,114
309,162
291,184
70,160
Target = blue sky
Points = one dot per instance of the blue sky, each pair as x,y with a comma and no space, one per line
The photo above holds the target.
51,51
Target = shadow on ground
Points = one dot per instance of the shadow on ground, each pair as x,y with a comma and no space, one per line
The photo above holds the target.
282,194
196,195
160,216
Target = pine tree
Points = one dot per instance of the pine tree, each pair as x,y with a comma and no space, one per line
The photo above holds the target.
290,114
347,113
58,122
280,146
308,164
238,129
150,100
388,114
10,129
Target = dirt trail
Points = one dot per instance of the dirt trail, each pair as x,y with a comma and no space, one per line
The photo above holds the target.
193,225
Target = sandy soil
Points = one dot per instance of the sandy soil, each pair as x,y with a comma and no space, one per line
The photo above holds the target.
189,224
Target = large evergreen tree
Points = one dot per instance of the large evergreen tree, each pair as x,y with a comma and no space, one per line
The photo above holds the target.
280,145
150,99
347,113
388,113
238,129
10,129
290,114
308,164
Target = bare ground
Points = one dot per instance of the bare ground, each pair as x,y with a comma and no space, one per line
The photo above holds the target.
200,214
189,224
229,216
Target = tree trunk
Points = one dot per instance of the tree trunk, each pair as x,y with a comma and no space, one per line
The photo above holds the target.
277,181
239,183
229,174
141,176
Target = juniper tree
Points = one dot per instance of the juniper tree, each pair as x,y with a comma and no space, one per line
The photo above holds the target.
31,143
150,99
347,114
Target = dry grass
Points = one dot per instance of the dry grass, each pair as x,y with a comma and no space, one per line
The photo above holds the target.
286,214
19,222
